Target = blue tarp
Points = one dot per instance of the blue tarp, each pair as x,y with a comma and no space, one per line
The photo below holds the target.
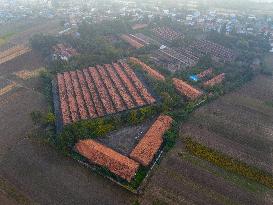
194,78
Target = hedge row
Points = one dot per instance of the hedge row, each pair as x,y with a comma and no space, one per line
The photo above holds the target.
229,163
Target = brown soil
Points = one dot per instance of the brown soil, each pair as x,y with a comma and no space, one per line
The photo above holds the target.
238,124
37,170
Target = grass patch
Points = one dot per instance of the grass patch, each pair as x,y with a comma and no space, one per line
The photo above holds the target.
13,193
229,163
2,41
269,104
140,175
5,38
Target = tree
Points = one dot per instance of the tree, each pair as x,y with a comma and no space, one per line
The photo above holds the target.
133,117
205,62
50,118
36,117
43,43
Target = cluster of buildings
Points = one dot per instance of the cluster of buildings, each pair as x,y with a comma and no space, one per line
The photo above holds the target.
185,12
229,22
16,10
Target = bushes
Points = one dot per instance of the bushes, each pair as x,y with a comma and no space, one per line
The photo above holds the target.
46,87
82,130
43,43
42,119
170,137
229,163
140,175
93,128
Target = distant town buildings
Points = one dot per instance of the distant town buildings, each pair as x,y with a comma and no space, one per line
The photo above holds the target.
74,12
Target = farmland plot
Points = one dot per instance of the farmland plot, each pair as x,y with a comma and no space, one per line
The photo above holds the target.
7,88
182,179
99,91
239,124
12,53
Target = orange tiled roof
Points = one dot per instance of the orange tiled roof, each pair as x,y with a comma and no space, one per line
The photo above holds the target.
148,146
101,155
152,72
205,73
216,80
186,89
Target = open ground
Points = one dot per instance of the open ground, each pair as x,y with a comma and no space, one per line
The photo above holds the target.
238,124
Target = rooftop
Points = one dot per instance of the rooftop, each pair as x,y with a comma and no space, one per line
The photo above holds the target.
101,155
149,145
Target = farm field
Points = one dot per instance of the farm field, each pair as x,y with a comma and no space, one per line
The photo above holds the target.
26,160
13,52
22,31
239,124
184,179
16,97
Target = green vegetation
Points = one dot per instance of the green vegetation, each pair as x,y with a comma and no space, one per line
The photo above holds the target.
159,202
39,118
136,203
269,104
11,191
267,66
235,178
90,129
43,43
229,163
140,175
4,39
